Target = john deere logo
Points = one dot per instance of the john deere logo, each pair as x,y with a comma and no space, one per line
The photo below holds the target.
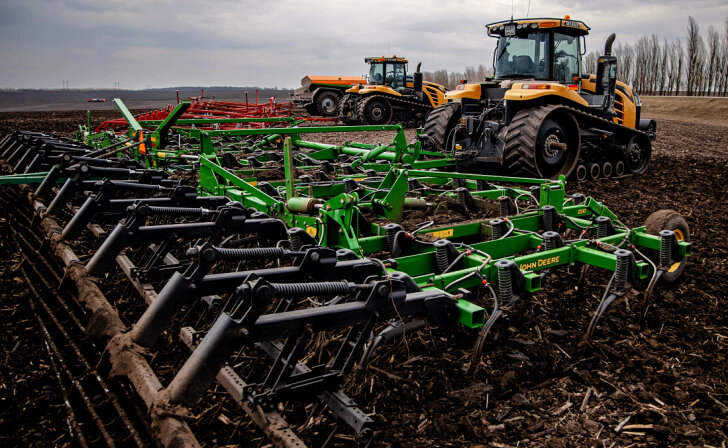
539,263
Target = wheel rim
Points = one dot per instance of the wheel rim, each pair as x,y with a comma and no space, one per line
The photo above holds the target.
556,152
377,112
680,236
328,104
637,156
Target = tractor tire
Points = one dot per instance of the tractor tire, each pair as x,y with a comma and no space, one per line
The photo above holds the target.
531,138
310,109
439,124
670,220
327,103
347,104
374,111
639,152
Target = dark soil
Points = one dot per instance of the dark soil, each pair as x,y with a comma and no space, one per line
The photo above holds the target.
537,385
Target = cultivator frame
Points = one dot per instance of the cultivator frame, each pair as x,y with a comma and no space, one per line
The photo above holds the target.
275,264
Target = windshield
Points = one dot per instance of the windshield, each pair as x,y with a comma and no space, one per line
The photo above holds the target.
523,56
566,58
394,76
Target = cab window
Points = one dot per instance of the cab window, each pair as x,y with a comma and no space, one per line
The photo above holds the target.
566,58
396,75
523,56
376,74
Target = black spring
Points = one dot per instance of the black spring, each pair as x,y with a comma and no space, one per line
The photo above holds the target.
622,270
249,254
535,193
136,187
457,183
504,206
602,226
505,280
297,241
442,255
390,231
178,211
551,240
578,198
549,218
464,198
312,289
482,185
499,228
666,239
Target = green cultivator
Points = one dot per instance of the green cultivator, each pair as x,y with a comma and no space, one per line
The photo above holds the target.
301,258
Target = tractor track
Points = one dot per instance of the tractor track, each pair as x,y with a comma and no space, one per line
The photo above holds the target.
98,413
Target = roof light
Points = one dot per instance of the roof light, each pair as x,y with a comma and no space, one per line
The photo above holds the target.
548,24
567,17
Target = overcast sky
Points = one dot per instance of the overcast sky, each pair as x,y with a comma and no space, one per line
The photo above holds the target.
141,43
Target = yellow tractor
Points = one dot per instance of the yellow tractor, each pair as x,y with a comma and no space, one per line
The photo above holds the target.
540,116
390,95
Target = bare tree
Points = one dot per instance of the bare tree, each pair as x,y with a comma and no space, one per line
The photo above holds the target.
676,66
714,49
695,58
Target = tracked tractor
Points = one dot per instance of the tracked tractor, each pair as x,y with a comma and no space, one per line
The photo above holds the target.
390,95
540,116
320,95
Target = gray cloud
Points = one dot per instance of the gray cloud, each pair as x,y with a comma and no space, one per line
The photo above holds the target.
184,42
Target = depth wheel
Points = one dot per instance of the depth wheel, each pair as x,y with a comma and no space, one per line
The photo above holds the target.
670,220
543,142
639,152
375,111
327,103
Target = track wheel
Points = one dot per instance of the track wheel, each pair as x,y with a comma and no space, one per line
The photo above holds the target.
670,220
375,111
639,152
542,142
327,103
439,125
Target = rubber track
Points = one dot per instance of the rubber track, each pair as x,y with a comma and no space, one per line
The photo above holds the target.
520,142
393,102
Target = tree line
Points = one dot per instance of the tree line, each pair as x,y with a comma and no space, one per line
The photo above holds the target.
691,66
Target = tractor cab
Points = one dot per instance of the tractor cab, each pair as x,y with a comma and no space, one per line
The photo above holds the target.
389,72
539,49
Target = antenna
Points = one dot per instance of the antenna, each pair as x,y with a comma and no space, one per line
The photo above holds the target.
529,8
511,10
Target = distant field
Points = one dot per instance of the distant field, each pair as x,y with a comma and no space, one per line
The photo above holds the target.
690,109
66,100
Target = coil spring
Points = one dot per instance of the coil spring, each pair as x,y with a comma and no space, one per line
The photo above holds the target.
481,185
666,238
578,198
178,211
536,193
504,206
136,187
498,228
294,235
549,217
505,280
463,197
622,270
391,230
441,255
312,289
249,254
602,226
550,240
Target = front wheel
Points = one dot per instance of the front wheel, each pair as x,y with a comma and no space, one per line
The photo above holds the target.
639,152
375,111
